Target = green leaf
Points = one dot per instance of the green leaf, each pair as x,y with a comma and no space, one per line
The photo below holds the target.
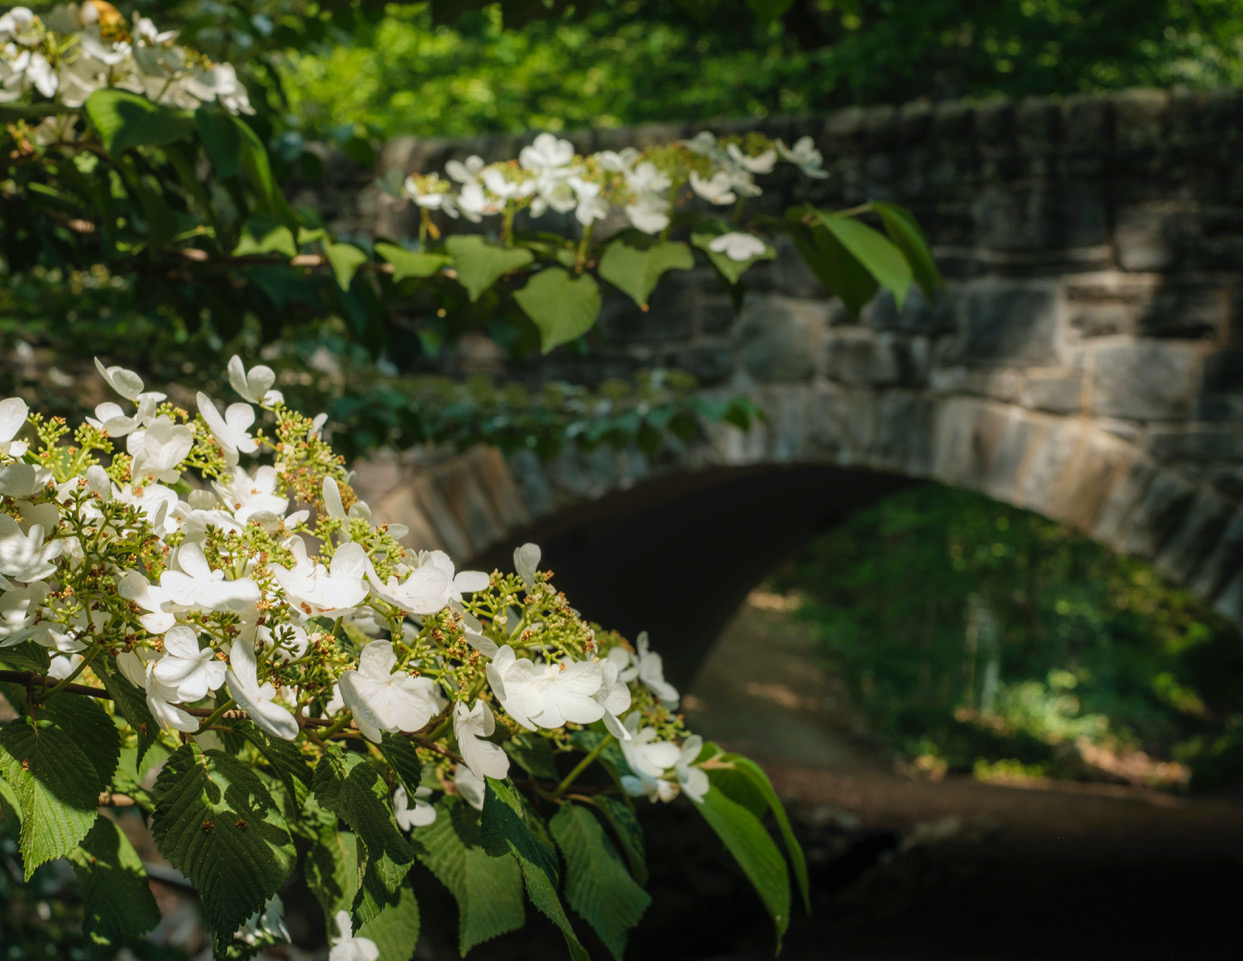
879,255
285,758
488,890
125,120
562,307
258,169
217,824
507,826
834,266
730,269
221,139
597,884
625,824
760,782
766,11
410,263
395,930
128,701
352,788
117,902
331,864
26,656
92,729
633,262
535,755
345,259
56,786
744,836
906,234
480,264
263,235
403,759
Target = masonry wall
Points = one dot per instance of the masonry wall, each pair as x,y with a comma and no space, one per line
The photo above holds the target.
1093,249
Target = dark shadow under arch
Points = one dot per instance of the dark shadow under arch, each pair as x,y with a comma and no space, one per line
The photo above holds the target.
677,556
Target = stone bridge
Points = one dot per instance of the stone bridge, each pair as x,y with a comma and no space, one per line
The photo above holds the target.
1085,362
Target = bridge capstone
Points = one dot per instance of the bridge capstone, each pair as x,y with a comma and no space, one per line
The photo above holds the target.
1085,360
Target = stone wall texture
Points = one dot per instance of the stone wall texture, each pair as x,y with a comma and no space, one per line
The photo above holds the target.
1085,361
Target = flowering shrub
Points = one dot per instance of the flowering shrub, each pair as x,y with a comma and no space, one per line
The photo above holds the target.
203,599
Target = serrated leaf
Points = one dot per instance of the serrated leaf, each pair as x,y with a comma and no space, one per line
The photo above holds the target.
26,656
905,232
562,307
535,755
350,787
488,890
410,263
731,270
117,902
879,255
217,824
128,701
331,864
626,828
285,758
634,262
92,730
56,786
395,930
597,884
345,259
125,120
759,782
834,266
403,759
480,264
506,827
757,854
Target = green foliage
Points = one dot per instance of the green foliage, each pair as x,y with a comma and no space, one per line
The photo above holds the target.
395,930
635,262
597,883
561,306
967,630
879,257
118,903
488,890
480,264
217,824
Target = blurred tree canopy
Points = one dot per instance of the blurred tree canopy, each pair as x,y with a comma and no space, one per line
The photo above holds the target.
972,632
617,62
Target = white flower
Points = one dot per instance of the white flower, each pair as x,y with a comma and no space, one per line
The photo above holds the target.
738,246
124,382
693,780
161,698
653,788
230,431
465,173
254,385
717,190
470,786
13,412
504,189
257,701
347,947
430,192
133,586
21,480
649,214
382,699
23,554
703,143
330,591
268,923
470,726
614,695
159,448
546,154
197,587
759,164
591,206
646,755
648,667
191,672
288,641
547,694
805,156
114,422
18,608
254,498
417,815
526,563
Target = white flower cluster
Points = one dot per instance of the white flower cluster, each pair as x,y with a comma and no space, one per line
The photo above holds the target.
549,175
267,588
74,49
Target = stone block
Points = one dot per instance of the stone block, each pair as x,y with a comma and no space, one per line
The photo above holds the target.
1102,320
1111,524
1009,456
952,120
1223,561
1152,237
1038,123
1055,394
1053,447
1191,543
916,316
1158,513
780,337
1197,442
1004,384
904,433
1010,325
1087,120
670,315
967,432
1145,380
1087,478
914,121
710,364
843,424
1140,116
866,359
716,315
1223,371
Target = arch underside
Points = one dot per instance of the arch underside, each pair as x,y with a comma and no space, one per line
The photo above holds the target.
672,544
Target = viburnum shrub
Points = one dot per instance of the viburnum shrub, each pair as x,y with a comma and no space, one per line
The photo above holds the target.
199,619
